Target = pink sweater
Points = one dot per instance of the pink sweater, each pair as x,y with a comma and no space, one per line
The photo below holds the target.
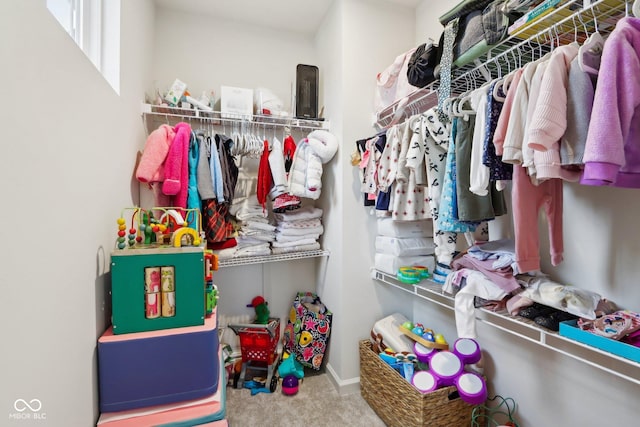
151,166
176,168
612,151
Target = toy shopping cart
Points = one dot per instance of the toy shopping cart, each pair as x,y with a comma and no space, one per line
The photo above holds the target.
259,347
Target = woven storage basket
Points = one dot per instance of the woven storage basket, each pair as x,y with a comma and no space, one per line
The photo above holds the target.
400,404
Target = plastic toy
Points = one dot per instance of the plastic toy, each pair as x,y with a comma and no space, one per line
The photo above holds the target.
262,310
290,366
290,385
412,275
171,229
259,347
429,341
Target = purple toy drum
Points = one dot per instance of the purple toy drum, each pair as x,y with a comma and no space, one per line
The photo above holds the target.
472,388
425,381
423,353
467,350
446,366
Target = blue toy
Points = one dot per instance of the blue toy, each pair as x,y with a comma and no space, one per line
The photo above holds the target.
256,387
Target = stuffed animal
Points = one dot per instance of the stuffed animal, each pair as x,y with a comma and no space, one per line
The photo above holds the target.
262,310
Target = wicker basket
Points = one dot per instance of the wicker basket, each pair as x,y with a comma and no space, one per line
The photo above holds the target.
400,404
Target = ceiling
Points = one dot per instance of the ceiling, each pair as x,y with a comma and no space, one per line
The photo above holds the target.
302,16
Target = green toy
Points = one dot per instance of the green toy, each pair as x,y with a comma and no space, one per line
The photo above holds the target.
262,310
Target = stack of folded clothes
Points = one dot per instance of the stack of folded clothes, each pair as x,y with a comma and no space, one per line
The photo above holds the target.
254,231
404,243
297,230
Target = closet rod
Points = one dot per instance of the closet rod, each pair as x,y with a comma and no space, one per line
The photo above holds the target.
166,114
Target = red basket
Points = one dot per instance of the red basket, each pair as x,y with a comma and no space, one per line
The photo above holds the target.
260,344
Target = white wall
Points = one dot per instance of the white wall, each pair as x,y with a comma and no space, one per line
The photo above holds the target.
69,149
207,52
349,29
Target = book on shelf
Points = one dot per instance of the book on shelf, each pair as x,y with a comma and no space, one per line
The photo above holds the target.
534,14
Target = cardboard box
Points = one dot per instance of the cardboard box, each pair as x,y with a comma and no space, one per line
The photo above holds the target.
570,329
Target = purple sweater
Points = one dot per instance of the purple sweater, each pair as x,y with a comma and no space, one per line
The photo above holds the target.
612,151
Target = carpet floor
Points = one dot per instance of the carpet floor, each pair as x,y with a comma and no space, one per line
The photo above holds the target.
317,404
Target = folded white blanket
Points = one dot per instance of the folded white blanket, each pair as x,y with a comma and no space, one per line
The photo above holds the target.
258,225
301,248
226,253
264,236
294,243
392,228
305,223
253,251
308,212
299,231
407,246
286,238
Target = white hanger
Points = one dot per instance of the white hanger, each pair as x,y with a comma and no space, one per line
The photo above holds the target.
635,9
591,47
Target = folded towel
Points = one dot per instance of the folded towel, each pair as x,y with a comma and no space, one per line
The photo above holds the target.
294,243
258,225
305,223
285,238
300,248
253,251
299,231
308,212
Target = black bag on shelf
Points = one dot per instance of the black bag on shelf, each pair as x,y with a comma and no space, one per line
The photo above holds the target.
423,64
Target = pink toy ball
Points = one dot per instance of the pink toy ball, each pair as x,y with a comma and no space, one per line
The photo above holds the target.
446,366
472,388
467,350
290,385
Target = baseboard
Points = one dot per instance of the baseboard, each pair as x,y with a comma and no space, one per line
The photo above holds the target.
343,387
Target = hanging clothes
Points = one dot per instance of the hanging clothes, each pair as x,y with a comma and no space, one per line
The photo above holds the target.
410,200
611,153
193,197
228,167
151,167
176,181
203,173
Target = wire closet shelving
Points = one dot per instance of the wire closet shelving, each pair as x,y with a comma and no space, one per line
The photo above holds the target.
571,21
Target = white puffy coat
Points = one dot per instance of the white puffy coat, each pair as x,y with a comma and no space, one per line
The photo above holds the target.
305,176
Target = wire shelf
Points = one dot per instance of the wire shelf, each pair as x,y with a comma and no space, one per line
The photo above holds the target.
156,115
523,328
233,262
569,22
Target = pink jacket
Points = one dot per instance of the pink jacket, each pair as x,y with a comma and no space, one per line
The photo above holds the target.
176,168
151,166
612,151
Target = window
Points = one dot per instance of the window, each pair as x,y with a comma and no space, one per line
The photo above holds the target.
95,27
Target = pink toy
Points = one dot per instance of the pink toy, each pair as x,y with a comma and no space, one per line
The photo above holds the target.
424,354
290,385
446,366
467,350
425,381
472,388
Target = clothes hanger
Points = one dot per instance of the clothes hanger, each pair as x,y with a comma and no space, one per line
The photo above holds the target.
591,50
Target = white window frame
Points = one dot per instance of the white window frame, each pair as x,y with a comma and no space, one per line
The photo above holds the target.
91,22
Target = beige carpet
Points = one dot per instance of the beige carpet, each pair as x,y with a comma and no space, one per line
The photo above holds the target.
317,404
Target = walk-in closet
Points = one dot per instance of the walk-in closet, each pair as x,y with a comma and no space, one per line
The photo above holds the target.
73,140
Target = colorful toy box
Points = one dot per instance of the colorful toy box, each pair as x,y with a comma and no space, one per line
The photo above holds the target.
157,288
160,367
